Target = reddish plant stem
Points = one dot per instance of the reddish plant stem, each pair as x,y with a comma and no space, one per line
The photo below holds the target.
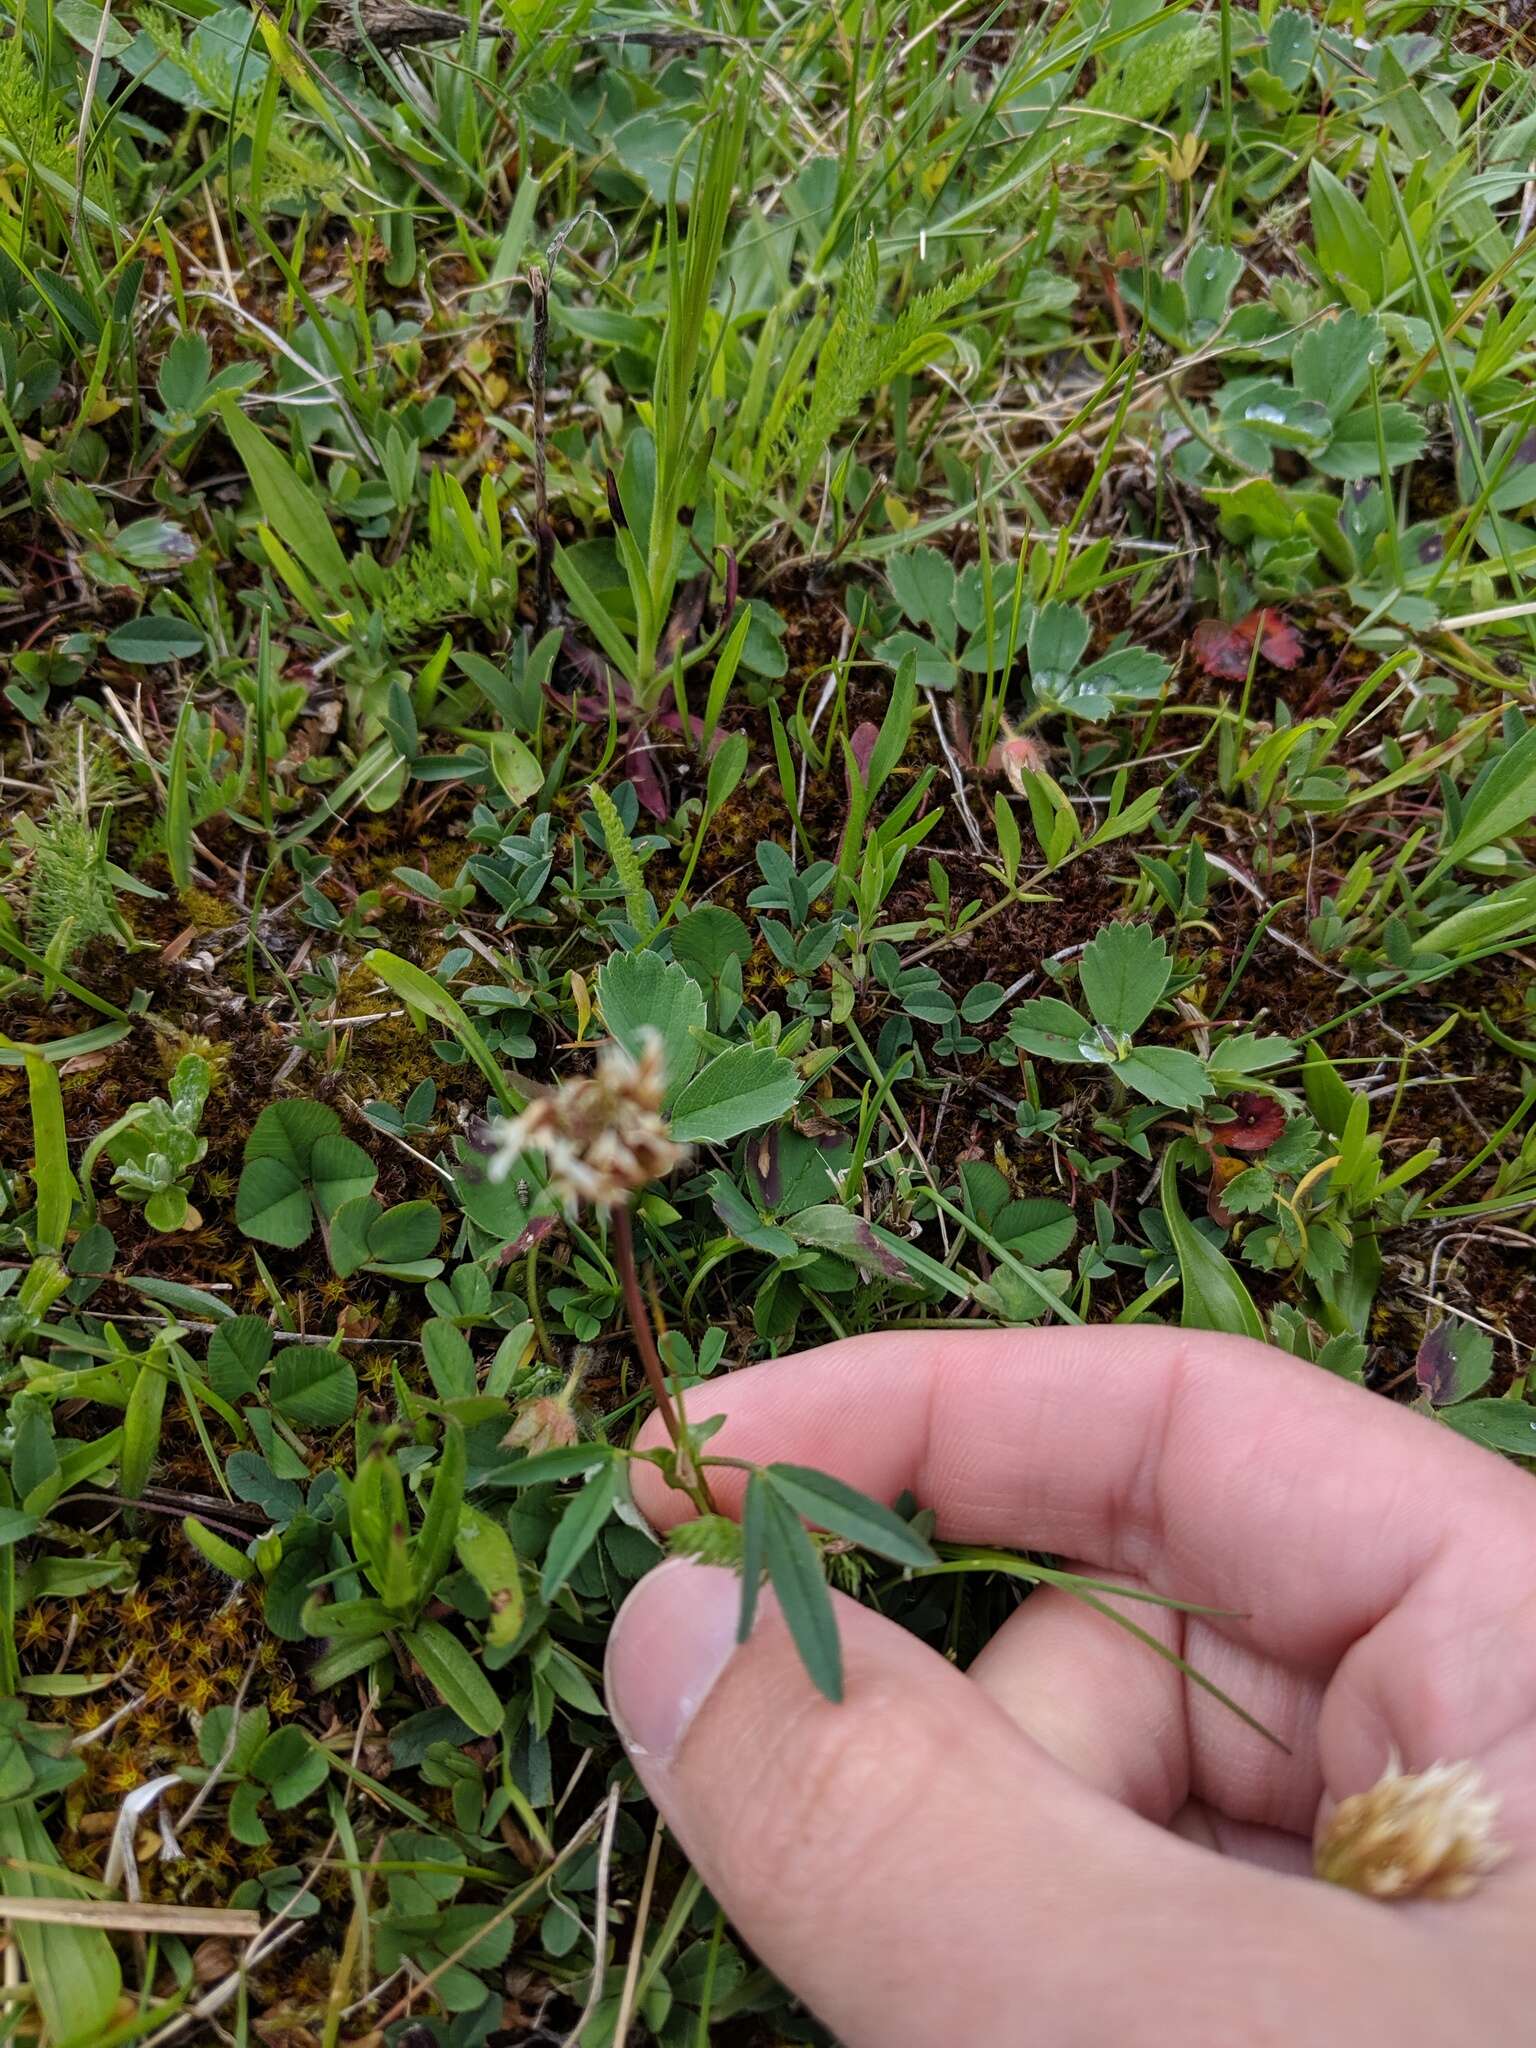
543,532
689,1479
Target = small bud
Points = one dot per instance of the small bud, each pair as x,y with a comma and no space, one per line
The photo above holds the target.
1413,1835
615,502
1014,756
710,1539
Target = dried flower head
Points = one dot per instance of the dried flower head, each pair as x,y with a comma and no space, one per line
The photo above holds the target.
602,1135
547,1422
1413,1835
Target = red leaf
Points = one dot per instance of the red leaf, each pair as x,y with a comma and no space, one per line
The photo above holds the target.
1257,1120
1279,643
1226,649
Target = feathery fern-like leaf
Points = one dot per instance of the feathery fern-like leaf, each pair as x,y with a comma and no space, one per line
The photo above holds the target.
859,354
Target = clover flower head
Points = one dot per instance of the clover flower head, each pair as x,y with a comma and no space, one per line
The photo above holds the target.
1414,1835
602,1134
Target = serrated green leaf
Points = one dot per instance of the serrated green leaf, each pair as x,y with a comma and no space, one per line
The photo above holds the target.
1332,361
1165,1074
312,1387
739,1090
640,992
1058,639
1356,448
1051,1030
1507,1426
1124,972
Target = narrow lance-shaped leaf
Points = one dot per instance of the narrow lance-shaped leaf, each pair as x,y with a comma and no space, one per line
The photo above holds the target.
487,1553
71,1970
753,1547
848,1513
51,1176
439,1527
578,1529
1501,801
1214,1297
794,1571
459,1681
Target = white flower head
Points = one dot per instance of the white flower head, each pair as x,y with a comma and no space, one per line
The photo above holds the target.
1414,1835
603,1135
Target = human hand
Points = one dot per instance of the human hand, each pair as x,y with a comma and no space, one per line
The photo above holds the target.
1022,1853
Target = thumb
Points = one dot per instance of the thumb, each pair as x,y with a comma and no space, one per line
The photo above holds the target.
917,1869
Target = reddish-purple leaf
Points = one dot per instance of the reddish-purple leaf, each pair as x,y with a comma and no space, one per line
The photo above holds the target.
764,1165
1454,1361
862,740
1279,641
535,1228
642,764
870,1253
1257,1120
1225,648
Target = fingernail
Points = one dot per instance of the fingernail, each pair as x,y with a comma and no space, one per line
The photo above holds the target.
674,1636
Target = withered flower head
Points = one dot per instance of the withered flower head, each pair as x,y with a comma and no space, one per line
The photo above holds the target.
547,1422
602,1135
1414,1835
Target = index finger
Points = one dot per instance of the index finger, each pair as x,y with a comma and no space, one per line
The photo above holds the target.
1215,1469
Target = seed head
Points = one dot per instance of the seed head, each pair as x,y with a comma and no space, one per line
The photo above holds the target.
1414,1835
602,1135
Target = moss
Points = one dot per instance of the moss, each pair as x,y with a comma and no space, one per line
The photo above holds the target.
209,913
